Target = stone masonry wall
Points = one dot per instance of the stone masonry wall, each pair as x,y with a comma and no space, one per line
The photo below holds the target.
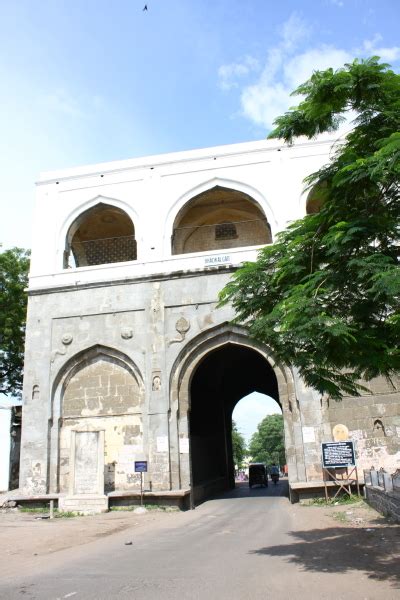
199,239
104,395
373,421
387,503
150,323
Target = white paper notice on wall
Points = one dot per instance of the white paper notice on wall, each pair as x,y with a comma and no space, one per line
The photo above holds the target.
184,445
308,435
357,434
162,443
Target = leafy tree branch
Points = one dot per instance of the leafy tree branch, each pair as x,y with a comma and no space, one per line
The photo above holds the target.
325,295
14,266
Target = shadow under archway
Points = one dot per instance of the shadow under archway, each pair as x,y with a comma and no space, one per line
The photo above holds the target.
224,377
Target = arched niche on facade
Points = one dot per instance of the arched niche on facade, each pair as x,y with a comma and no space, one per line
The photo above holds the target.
219,218
100,235
315,199
99,387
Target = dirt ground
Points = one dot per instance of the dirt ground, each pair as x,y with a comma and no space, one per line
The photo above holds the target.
24,535
352,537
366,537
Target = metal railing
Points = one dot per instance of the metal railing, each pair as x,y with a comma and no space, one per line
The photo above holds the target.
103,251
197,238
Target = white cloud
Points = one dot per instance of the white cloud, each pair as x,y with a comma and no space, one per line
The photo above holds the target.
286,67
299,68
228,74
371,48
294,31
261,103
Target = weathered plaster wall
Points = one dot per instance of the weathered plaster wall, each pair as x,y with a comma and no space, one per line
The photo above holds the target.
116,345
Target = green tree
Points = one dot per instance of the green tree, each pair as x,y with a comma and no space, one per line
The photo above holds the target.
239,448
14,266
325,295
267,444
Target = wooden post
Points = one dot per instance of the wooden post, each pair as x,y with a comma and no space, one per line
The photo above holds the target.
325,486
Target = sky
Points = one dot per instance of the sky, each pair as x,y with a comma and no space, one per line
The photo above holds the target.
92,81
251,410
86,82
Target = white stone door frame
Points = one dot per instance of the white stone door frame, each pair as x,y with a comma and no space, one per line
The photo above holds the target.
100,459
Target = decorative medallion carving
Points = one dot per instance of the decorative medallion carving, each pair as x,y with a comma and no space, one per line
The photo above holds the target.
66,340
182,326
126,333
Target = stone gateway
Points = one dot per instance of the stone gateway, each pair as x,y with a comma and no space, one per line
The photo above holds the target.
125,341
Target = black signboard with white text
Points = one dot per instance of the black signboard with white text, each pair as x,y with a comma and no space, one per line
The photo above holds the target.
338,454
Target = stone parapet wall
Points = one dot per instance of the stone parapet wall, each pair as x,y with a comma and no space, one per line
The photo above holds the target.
387,503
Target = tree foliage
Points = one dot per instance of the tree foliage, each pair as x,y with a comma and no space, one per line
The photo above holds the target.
14,265
238,446
325,295
267,444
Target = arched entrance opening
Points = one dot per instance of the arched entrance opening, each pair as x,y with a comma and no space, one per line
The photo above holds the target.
258,422
315,199
220,381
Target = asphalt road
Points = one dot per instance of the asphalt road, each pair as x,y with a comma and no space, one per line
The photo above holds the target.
239,546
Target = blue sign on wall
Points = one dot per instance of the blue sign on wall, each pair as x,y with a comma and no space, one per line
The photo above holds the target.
140,466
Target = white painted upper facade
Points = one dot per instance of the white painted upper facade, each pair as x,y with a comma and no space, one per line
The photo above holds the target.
152,191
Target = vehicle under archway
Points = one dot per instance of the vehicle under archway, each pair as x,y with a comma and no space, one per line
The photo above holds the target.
224,377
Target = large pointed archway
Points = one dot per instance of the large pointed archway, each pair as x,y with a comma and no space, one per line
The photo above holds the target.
209,377
226,375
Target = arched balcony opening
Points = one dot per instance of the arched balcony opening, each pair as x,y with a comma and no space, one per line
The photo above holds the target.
219,218
101,235
315,199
